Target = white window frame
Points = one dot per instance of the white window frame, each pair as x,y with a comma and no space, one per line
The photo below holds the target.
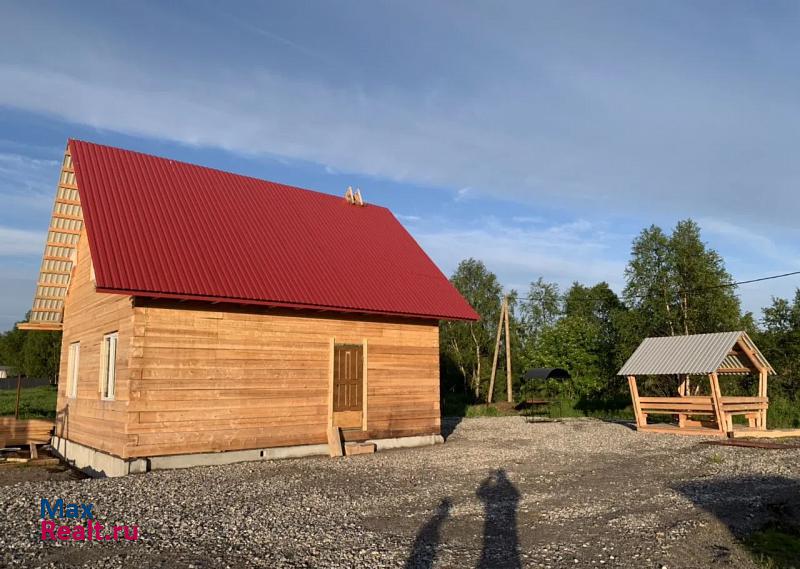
73,368
108,366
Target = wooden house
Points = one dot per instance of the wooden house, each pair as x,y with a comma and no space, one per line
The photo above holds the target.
210,317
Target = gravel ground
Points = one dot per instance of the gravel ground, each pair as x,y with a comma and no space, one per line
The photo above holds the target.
501,492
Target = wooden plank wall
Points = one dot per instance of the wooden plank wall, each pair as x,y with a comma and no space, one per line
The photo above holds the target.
88,315
206,380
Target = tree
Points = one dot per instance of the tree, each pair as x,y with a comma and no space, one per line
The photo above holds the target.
780,338
677,285
12,344
41,354
31,353
650,291
468,344
541,308
705,303
602,307
573,343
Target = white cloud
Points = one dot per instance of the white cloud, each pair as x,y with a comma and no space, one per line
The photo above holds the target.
463,193
583,127
408,218
19,242
532,219
570,106
753,241
562,253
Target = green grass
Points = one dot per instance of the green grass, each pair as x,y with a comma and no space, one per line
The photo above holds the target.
598,409
34,402
784,413
775,548
483,411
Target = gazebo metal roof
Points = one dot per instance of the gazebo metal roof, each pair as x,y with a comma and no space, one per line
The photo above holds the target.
693,354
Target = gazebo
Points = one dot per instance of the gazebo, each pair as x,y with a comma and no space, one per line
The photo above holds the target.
703,355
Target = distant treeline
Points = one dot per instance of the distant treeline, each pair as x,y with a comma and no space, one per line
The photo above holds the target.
675,284
33,354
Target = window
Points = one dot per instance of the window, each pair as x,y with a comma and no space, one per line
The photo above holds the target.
108,365
73,365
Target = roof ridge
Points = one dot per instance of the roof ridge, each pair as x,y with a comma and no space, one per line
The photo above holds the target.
217,170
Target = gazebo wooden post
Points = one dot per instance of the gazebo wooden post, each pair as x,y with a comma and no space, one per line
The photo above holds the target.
763,374
641,419
683,391
716,399
762,392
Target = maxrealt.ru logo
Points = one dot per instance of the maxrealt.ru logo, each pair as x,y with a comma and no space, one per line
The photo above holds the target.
91,530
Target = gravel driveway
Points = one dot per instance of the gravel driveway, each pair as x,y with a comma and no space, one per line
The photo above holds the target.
501,492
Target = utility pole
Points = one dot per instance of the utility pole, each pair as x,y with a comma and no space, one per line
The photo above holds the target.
504,322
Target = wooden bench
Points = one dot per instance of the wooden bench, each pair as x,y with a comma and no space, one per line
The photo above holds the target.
685,407
25,432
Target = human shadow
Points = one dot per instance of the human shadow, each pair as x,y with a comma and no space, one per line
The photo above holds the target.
423,552
500,541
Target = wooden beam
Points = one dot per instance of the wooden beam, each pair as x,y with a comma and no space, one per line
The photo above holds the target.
687,399
674,430
637,410
683,391
508,356
750,354
763,378
716,398
736,370
490,395
740,432
41,326
334,435
365,385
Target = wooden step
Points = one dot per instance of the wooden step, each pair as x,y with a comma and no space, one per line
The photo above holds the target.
740,431
674,429
351,449
354,435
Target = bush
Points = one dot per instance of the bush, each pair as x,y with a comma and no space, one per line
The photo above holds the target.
784,412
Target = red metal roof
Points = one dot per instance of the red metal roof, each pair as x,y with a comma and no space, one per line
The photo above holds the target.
163,228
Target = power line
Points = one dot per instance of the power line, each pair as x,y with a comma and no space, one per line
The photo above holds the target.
769,278
695,290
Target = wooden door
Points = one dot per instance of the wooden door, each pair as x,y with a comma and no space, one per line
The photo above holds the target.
348,385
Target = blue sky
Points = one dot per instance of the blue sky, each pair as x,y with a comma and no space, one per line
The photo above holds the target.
538,137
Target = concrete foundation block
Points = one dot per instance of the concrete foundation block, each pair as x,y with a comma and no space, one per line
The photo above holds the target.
96,463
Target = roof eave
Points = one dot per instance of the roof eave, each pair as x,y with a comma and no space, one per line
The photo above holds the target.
278,304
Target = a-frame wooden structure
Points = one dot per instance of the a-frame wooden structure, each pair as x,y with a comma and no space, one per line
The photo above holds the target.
58,261
701,355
